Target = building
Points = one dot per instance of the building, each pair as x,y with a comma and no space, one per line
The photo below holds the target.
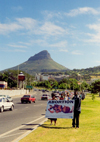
40,77
3,84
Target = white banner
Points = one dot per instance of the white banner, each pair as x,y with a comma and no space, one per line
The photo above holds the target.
60,109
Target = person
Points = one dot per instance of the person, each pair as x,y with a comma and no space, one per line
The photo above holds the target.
77,110
61,98
53,119
82,95
68,98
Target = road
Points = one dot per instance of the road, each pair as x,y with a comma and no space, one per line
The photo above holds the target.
22,119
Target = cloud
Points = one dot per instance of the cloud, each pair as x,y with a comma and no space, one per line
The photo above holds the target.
18,8
17,46
97,61
63,50
27,23
49,15
82,10
61,44
49,28
42,43
7,28
19,50
76,52
19,24
95,37
31,26
12,50
95,27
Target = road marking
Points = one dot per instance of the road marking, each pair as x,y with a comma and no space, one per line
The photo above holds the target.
2,135
28,132
12,135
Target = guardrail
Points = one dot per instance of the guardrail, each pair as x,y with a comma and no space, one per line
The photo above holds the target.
14,92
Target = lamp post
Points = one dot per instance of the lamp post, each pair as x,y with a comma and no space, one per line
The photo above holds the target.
17,76
79,78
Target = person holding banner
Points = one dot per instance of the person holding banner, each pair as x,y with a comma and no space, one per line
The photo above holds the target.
53,119
77,110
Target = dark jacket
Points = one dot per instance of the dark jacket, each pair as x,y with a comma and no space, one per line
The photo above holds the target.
77,105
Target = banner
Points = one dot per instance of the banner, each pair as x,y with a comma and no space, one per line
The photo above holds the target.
60,109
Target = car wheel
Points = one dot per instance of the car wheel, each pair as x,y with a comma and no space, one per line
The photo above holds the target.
34,101
2,108
30,102
12,107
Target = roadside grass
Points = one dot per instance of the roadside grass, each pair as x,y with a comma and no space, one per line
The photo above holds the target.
89,130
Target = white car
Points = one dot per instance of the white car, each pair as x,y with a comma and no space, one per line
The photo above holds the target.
45,97
5,104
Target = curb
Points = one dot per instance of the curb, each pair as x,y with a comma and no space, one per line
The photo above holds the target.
28,132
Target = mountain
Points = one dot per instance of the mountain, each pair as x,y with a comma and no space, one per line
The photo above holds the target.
41,62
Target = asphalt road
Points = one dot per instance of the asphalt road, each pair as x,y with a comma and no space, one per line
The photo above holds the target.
24,118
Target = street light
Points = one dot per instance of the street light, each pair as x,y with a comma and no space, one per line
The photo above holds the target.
17,76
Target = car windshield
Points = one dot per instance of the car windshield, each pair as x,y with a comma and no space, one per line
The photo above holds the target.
26,96
0,100
2,95
44,95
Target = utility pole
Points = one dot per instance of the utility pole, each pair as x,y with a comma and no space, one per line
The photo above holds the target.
17,76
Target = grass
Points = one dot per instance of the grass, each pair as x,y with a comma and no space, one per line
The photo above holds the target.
89,130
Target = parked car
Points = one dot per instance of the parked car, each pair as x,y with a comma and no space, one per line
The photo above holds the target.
5,104
8,97
45,97
28,99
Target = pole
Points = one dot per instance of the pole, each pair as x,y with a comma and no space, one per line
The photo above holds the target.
17,76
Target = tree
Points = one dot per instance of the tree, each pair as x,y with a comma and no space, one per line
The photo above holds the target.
74,84
10,76
62,86
95,87
84,85
55,84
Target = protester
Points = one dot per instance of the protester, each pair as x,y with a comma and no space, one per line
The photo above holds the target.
68,97
53,119
61,98
77,110
82,95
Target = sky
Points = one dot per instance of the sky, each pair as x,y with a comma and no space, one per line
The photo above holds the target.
68,29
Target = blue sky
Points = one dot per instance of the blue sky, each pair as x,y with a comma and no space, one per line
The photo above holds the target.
68,29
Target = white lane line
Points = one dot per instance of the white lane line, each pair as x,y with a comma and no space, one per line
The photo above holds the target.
18,127
28,132
12,135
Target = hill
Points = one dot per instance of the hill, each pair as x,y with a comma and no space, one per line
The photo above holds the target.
41,62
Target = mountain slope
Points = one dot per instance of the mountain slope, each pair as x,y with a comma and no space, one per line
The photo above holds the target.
41,62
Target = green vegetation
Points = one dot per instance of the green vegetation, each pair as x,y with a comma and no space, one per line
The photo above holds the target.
10,76
71,84
95,86
89,130
40,66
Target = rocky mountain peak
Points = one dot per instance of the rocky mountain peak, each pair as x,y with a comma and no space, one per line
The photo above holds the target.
40,56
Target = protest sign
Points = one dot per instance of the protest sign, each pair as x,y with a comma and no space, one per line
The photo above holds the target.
60,109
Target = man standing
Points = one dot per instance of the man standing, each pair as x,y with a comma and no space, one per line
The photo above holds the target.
77,110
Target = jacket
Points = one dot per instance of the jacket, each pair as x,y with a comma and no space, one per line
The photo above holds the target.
77,104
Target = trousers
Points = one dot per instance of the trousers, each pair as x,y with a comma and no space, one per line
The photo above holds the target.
75,120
